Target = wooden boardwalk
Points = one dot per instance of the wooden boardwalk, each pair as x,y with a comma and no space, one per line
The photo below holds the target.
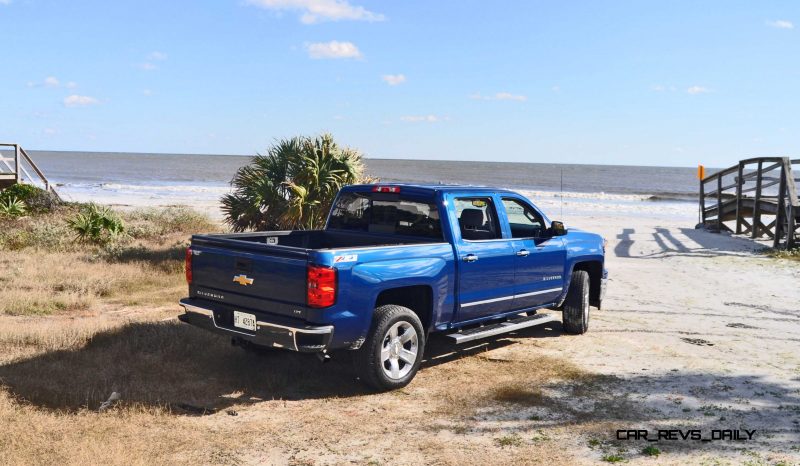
756,197
20,168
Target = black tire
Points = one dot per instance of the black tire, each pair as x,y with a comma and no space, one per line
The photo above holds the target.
576,306
369,362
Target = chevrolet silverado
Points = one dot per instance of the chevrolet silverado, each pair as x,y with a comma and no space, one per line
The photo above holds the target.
394,264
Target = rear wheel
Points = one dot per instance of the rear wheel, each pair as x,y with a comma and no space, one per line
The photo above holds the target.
392,352
576,305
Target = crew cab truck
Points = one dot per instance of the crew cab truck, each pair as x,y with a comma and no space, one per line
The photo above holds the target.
394,264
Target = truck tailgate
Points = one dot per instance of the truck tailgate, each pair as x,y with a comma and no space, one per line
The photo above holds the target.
252,277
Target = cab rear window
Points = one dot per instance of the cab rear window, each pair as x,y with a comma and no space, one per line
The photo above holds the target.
385,213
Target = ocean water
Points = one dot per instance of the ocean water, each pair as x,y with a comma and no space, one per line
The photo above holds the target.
141,179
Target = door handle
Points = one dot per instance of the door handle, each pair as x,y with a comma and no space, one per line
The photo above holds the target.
470,258
523,252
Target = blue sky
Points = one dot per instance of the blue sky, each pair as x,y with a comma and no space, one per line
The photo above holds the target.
627,82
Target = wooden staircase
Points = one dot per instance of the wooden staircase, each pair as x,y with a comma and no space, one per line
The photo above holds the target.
758,196
18,167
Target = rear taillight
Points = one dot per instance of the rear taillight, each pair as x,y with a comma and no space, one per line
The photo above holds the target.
321,286
188,265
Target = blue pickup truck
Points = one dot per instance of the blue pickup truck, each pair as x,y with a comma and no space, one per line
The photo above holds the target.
394,264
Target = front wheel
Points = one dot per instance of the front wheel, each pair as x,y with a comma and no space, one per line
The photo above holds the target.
392,352
576,305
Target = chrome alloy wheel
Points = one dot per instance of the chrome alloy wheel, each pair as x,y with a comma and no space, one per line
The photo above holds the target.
399,350
585,304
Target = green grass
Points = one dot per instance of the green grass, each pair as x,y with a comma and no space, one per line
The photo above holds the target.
651,451
613,458
512,440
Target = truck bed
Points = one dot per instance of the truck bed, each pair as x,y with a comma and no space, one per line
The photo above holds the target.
272,266
300,241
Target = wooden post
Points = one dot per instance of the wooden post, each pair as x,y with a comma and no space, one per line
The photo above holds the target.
781,208
719,202
702,204
757,206
790,226
739,182
17,171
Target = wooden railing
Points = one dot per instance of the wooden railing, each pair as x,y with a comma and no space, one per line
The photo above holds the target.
751,193
21,169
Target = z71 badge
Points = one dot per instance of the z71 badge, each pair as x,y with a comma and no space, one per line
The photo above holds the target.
346,258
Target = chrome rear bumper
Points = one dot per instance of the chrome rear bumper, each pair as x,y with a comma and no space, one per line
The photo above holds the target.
302,338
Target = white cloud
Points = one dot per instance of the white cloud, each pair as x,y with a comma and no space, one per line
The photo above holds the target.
781,24
50,131
419,118
5,2
556,88
157,56
697,90
52,82
76,100
147,66
499,96
315,11
509,96
147,92
333,49
394,79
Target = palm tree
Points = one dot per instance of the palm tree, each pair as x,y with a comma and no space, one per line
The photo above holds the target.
292,186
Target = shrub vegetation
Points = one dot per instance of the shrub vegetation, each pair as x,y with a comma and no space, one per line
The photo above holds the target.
292,186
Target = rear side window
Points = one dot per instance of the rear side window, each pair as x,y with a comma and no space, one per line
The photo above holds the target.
385,213
477,218
523,220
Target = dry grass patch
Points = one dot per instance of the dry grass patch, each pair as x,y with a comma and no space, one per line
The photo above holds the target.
164,365
155,224
46,270
463,379
36,282
790,254
127,436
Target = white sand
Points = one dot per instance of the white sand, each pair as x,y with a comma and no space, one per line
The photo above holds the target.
703,329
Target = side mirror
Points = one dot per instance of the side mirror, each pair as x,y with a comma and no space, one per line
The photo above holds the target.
558,228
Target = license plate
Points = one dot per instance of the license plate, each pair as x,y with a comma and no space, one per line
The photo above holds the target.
244,320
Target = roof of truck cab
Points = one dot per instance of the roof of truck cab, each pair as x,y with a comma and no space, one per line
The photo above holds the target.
433,187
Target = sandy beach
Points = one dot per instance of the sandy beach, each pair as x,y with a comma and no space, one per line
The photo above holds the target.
699,331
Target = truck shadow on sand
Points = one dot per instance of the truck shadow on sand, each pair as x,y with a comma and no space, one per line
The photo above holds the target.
173,365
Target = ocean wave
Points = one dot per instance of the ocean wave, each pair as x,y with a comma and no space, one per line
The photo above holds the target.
598,196
166,188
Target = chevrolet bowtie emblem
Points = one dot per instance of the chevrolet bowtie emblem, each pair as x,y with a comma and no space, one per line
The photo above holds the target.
243,280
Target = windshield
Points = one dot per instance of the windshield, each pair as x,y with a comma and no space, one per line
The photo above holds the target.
382,213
